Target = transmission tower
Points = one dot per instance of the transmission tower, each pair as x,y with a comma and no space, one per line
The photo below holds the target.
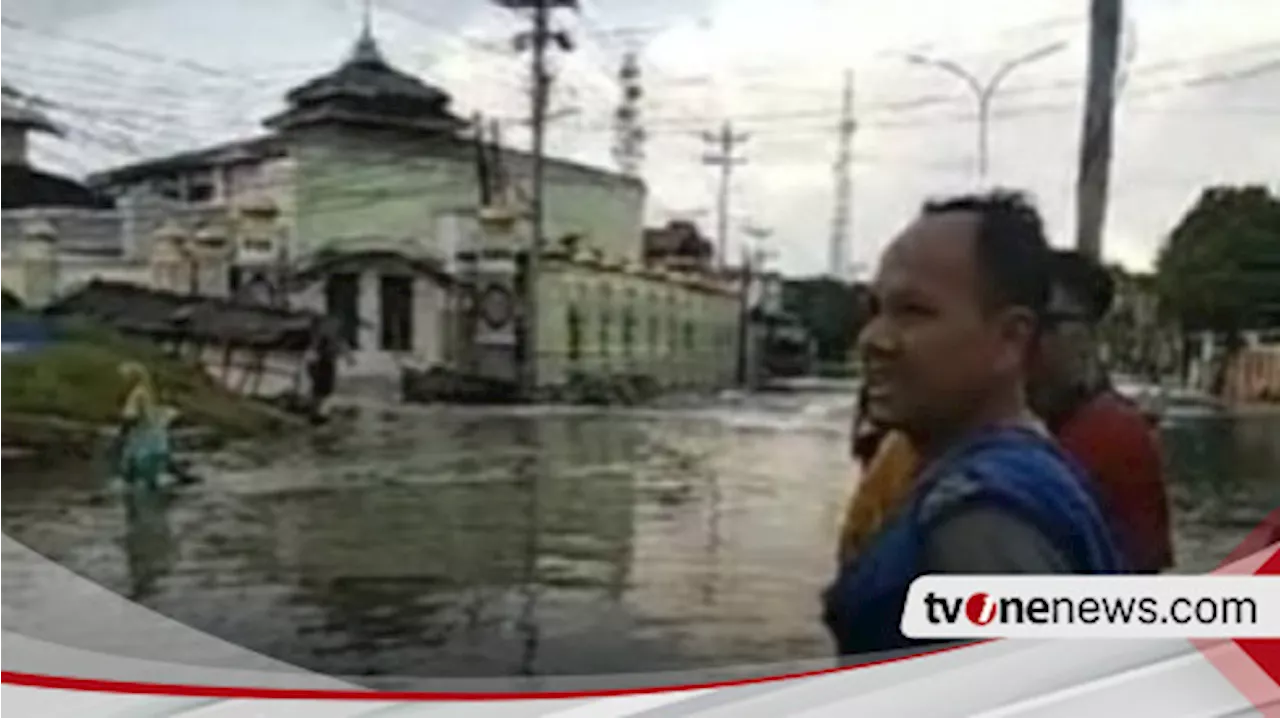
838,252
628,148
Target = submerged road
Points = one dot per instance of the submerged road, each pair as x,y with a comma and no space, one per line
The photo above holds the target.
534,541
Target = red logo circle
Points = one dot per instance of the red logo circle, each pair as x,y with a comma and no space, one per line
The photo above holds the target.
980,609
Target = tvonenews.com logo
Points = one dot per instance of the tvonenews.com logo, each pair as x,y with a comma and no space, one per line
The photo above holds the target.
982,609
1105,606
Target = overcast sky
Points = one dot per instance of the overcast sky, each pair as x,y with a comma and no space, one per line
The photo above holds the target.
1201,103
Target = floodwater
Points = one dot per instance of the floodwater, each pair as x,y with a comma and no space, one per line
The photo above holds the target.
415,541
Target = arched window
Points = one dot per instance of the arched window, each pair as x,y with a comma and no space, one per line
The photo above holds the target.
573,322
605,321
628,330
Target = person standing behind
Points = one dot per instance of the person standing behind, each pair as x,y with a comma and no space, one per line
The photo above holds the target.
958,300
886,464
1106,433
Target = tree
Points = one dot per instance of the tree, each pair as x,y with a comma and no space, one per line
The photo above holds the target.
1220,269
832,311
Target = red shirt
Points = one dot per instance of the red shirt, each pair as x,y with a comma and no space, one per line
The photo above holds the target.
1113,441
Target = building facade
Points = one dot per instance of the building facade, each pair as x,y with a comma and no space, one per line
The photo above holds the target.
365,200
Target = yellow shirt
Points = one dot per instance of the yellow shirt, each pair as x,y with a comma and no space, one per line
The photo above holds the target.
880,493
140,404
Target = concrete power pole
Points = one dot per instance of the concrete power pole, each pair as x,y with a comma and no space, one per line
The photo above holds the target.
838,252
536,40
725,141
1093,181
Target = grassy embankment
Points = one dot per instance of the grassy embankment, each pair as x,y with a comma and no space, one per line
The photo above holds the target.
64,398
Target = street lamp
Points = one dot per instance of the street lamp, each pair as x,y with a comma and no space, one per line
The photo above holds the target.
985,91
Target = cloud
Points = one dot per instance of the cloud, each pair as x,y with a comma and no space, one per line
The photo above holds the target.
774,68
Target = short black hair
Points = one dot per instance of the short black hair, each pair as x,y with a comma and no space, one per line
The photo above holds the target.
1085,280
1011,250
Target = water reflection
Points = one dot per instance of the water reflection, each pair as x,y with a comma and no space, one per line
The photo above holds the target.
485,543
148,541
527,475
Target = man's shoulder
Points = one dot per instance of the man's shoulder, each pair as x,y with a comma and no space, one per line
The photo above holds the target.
1019,467
1106,416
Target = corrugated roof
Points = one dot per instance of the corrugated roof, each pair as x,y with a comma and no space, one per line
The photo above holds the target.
24,187
247,150
134,309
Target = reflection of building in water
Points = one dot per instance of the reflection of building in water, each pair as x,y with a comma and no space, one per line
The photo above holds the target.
731,573
517,531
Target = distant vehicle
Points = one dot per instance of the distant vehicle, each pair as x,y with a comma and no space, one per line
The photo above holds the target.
789,352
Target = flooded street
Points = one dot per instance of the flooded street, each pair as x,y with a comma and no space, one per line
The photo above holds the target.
493,542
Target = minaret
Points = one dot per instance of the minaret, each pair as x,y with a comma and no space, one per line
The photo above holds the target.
366,48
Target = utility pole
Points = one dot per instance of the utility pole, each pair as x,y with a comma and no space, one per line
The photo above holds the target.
724,143
1093,181
838,252
537,40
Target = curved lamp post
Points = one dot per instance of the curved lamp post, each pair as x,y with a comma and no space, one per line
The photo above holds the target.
985,91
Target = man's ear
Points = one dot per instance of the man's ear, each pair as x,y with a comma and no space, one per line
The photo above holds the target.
1018,335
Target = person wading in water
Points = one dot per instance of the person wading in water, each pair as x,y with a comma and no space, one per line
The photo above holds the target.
958,300
143,452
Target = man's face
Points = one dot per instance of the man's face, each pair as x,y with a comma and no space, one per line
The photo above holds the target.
933,350
1065,351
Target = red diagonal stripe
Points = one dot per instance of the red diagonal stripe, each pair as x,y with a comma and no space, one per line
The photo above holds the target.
1266,652
1255,669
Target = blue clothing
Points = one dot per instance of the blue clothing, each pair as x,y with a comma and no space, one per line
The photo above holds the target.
144,455
1009,469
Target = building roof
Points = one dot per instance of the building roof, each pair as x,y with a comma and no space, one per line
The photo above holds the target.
248,150
9,300
274,145
24,187
366,89
677,240
17,109
133,309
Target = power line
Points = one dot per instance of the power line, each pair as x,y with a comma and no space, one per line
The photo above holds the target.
120,50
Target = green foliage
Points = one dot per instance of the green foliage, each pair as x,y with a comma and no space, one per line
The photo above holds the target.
1220,269
830,310
78,380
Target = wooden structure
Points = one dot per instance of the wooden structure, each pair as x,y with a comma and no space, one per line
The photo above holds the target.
252,349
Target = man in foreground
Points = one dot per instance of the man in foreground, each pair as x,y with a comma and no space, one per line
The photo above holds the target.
1098,427
959,298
